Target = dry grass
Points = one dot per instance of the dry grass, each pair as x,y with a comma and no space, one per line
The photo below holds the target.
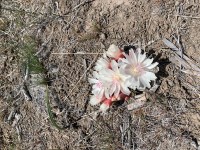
69,35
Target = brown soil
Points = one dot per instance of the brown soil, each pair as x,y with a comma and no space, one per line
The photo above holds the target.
169,120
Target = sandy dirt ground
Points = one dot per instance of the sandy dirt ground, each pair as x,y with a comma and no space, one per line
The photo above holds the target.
60,40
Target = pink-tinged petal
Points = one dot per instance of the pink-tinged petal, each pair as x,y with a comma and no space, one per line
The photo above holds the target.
112,88
122,96
107,102
94,100
127,98
98,68
122,70
149,75
124,89
101,63
105,56
124,59
135,83
96,74
113,98
139,51
128,59
147,62
122,62
106,72
95,91
101,93
107,95
92,80
127,81
105,105
141,87
133,56
141,57
114,52
106,75
152,65
119,56
114,66
145,81
113,48
117,90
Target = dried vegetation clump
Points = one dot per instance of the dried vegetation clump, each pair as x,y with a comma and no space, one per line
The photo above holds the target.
68,38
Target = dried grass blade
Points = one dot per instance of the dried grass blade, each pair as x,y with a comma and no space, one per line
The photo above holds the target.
191,63
184,60
170,44
191,72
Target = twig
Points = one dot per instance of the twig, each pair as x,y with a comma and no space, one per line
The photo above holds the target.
184,16
77,53
83,3
84,67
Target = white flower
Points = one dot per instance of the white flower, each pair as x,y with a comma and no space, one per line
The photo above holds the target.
116,80
114,52
99,88
116,72
138,66
101,63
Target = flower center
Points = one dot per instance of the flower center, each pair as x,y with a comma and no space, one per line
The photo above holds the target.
116,78
137,70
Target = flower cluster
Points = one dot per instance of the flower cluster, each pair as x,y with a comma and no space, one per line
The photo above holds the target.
117,72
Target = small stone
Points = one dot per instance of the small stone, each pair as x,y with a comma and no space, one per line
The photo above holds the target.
103,36
54,68
102,46
170,83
